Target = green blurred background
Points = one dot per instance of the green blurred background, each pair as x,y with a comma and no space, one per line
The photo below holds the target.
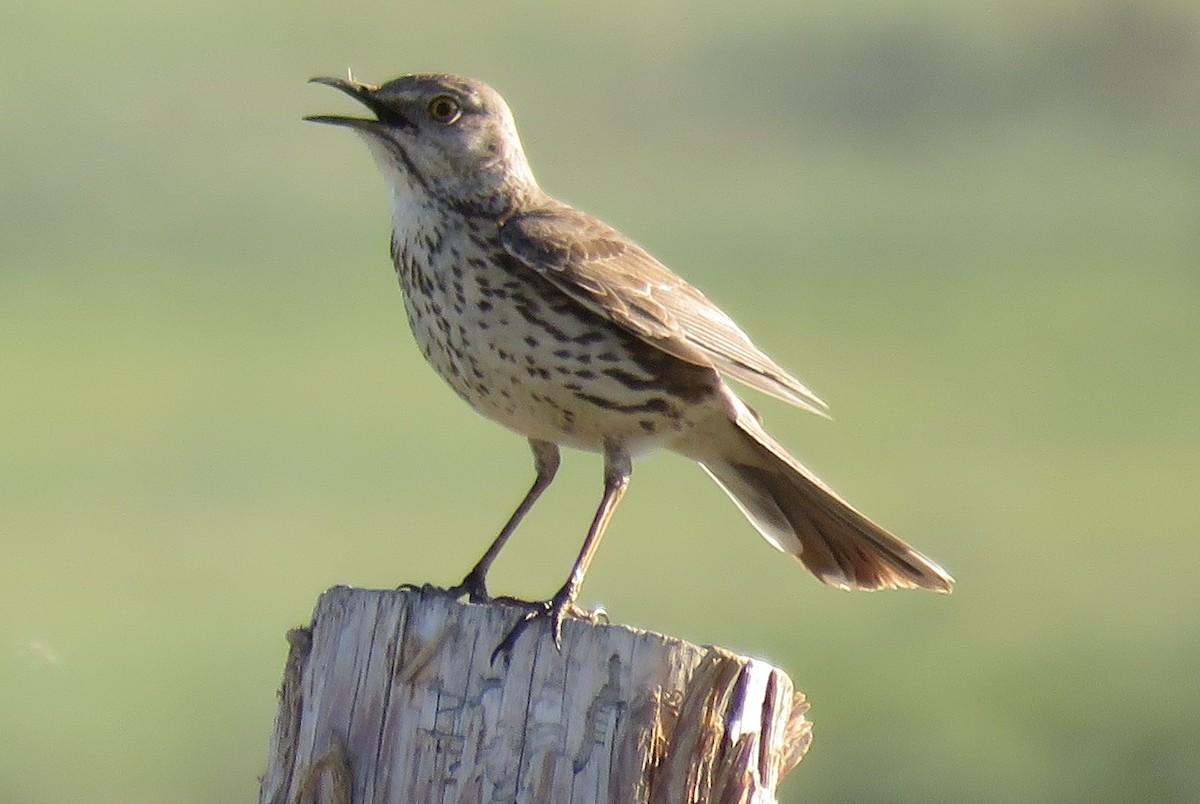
973,228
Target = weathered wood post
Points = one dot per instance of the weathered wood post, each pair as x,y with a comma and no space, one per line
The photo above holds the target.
391,696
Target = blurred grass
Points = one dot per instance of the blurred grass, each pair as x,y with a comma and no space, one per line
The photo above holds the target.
971,229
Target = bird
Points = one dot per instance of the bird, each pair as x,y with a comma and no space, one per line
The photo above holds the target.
564,330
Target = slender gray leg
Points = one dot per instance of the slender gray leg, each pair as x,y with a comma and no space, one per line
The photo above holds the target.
617,469
545,461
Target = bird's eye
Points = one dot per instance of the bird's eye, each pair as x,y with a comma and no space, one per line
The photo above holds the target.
444,109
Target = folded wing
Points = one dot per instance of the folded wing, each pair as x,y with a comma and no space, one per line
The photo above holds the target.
608,273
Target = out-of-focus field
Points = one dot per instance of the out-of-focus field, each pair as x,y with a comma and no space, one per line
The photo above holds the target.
974,230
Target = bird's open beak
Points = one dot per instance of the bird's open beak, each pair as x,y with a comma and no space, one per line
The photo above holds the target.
364,94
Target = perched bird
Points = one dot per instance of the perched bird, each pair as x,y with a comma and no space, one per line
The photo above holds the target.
562,329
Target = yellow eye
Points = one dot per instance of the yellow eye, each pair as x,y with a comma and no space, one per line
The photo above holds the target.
444,109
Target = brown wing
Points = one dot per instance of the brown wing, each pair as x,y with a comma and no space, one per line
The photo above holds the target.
611,275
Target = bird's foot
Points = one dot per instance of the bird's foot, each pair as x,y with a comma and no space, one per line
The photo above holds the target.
473,587
556,610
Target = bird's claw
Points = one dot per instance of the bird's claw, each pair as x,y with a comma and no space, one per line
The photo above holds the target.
557,609
473,587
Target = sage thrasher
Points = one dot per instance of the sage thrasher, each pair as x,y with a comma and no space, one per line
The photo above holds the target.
564,330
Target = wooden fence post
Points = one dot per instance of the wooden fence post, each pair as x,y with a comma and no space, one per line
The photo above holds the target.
391,696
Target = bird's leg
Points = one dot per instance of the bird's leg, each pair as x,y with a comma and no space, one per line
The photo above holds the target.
617,469
545,461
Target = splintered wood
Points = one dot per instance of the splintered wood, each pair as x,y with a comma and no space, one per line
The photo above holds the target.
391,696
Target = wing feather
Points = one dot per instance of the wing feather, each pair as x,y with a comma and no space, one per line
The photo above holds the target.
611,275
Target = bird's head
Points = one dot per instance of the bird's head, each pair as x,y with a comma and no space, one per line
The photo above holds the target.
445,136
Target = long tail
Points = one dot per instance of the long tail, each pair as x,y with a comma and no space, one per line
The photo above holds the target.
802,516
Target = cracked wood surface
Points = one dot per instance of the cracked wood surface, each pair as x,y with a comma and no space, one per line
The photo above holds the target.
390,696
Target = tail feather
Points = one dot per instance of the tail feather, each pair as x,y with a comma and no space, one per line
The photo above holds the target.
801,515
